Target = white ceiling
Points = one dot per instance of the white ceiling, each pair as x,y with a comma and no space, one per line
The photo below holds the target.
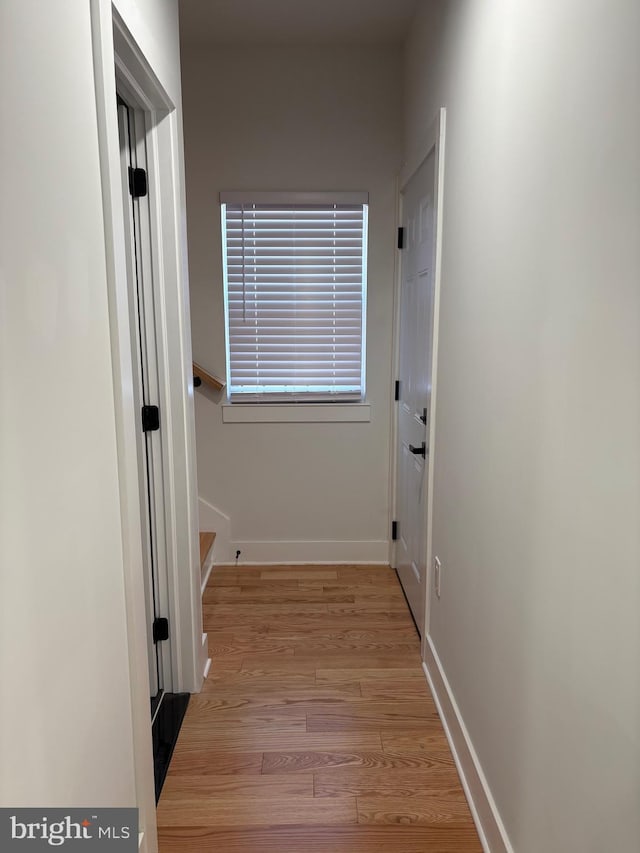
302,22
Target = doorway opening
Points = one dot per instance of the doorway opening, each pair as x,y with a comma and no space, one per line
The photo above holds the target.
167,708
146,294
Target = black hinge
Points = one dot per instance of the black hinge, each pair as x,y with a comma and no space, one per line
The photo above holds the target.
137,182
394,531
160,630
150,418
397,390
401,238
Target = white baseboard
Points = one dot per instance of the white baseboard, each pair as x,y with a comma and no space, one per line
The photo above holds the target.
493,835
207,667
206,570
205,578
367,552
205,661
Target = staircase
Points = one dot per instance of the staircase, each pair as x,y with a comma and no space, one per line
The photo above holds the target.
207,540
206,556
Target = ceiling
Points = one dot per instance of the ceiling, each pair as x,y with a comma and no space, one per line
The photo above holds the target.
300,22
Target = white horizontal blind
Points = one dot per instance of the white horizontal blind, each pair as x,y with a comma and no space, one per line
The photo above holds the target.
295,296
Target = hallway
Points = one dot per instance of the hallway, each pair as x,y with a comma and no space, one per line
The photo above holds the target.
315,731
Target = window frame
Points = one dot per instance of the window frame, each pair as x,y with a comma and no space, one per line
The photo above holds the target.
354,401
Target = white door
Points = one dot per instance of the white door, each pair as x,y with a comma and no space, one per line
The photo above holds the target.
414,398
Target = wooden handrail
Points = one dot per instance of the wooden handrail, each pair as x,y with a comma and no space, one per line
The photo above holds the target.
206,377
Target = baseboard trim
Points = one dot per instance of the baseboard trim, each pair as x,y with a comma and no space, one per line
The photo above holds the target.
206,574
305,564
205,662
207,667
493,835
299,552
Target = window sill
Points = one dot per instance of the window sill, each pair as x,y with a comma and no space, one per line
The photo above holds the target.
279,413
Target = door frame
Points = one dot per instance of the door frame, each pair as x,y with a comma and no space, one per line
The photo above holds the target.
433,142
136,78
153,450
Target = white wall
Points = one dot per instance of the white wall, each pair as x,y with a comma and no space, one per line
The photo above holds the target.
293,119
154,26
65,704
537,478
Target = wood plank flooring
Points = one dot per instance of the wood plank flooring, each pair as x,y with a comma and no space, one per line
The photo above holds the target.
315,731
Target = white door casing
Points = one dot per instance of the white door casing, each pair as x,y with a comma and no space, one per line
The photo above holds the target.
418,302
146,388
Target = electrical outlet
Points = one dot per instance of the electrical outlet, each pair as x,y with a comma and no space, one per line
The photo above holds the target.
437,575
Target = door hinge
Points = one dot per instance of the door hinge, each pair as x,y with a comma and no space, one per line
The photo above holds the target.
150,418
401,238
394,531
160,629
397,390
137,182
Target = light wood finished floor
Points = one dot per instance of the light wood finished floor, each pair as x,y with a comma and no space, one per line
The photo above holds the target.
315,731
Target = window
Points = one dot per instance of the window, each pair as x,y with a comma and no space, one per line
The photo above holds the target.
295,295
